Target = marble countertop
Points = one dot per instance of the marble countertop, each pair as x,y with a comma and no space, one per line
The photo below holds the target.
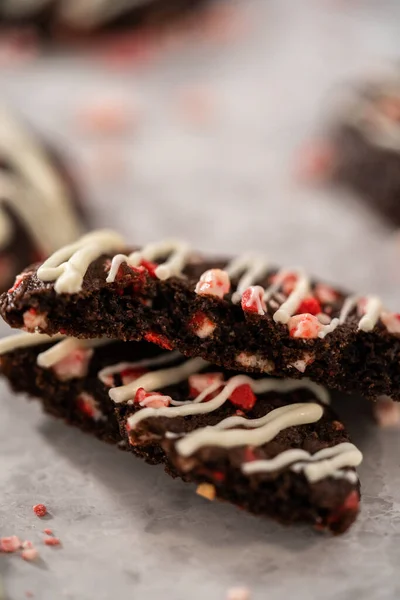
226,184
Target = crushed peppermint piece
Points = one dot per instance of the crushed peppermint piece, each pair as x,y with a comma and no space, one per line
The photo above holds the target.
202,325
304,326
325,293
391,321
52,541
213,282
309,305
18,280
256,362
287,283
206,490
201,381
244,397
238,593
10,544
88,406
48,531
40,510
75,365
159,339
151,399
34,320
316,162
253,300
30,554
302,363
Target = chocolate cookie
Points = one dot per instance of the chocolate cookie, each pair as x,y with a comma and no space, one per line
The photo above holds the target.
241,314
366,147
39,206
271,446
54,18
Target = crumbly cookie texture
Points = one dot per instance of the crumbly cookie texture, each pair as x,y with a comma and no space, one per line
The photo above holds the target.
242,314
270,446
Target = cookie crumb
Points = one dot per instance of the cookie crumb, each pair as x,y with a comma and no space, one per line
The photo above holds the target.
207,490
40,510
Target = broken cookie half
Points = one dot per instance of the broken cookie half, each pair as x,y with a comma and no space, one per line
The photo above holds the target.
271,446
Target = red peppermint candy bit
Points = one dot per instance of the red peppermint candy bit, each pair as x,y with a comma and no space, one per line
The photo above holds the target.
391,321
288,282
244,397
10,544
304,326
18,280
87,404
343,516
150,267
325,293
249,454
218,476
40,510
253,300
317,161
75,365
309,305
200,382
52,541
159,339
151,399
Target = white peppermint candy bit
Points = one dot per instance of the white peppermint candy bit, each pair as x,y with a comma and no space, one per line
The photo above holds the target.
214,282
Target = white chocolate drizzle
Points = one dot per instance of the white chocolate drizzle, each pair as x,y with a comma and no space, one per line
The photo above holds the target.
373,311
26,340
237,431
68,266
177,252
289,307
158,379
156,361
377,127
251,268
37,194
262,430
150,381
59,351
324,463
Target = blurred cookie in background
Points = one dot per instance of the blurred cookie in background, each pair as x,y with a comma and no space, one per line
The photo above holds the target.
39,208
57,17
362,150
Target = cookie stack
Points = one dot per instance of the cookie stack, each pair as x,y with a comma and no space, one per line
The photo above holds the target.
213,367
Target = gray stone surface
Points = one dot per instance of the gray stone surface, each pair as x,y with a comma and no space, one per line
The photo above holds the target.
127,529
